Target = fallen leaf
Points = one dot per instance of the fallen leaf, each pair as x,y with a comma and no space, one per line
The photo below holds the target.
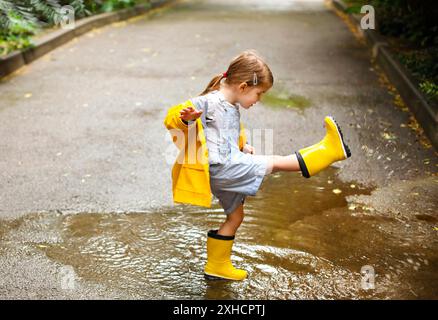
368,208
388,136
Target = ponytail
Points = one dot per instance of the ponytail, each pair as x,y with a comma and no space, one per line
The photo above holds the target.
213,85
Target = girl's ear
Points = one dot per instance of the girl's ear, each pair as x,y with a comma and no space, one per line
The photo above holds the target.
243,86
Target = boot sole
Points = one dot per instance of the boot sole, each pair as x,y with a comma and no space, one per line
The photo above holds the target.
218,278
345,148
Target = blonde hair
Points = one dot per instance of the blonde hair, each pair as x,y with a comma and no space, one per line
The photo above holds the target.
247,67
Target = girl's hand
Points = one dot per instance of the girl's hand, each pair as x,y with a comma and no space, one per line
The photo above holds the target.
248,149
189,114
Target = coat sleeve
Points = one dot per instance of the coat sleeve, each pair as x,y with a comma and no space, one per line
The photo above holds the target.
173,120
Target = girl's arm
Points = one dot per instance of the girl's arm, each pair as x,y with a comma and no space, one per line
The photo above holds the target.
248,149
189,114
173,118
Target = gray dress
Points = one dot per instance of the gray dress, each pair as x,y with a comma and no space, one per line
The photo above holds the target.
233,174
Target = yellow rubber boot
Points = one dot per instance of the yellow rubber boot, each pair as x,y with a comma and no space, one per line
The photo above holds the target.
219,264
330,149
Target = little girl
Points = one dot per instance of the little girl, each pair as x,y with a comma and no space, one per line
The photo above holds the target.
208,129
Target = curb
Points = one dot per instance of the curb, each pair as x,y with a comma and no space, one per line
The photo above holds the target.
47,43
400,77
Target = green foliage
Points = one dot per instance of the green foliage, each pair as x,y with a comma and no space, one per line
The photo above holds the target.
354,9
413,24
21,19
430,89
111,5
412,20
353,6
421,62
14,42
17,24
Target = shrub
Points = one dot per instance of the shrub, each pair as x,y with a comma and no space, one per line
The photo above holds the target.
21,19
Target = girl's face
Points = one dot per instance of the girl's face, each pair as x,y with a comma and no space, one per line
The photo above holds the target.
249,95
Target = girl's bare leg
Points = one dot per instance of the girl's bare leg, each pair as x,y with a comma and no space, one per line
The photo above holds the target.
283,163
234,219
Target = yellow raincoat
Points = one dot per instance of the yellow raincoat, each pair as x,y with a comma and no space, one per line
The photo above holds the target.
190,172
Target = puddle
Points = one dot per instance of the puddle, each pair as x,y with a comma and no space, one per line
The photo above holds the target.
299,240
281,99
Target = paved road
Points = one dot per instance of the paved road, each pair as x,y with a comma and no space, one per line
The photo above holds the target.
81,129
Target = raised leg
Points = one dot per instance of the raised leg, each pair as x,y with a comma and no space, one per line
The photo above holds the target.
283,163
